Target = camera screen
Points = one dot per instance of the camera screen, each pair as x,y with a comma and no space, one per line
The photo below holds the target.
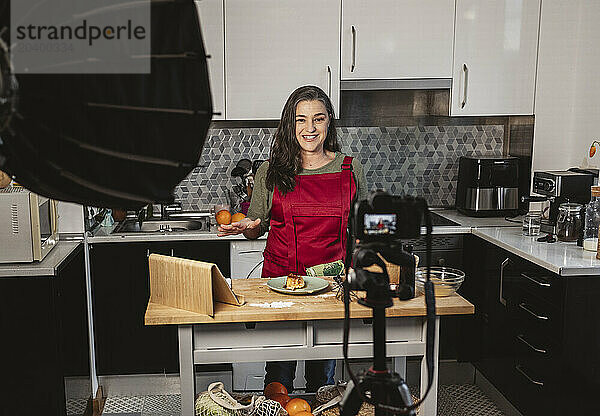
380,224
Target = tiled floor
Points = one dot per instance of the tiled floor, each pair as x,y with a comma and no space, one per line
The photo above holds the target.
453,400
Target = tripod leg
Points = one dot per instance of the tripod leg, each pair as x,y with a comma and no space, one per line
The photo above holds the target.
351,403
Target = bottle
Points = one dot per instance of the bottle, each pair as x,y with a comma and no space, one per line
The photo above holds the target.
592,221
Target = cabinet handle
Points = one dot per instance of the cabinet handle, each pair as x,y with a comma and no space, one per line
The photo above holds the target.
523,306
502,266
520,369
328,81
524,341
465,82
172,253
353,49
147,252
537,282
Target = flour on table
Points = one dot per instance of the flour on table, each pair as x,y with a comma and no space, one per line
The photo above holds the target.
326,295
275,305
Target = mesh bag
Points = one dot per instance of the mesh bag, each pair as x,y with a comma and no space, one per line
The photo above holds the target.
266,407
217,402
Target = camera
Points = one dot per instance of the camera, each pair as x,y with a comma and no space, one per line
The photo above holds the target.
385,218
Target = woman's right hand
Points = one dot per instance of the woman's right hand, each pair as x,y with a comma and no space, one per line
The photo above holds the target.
238,227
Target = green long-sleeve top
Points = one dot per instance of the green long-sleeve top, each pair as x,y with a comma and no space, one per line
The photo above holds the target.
262,198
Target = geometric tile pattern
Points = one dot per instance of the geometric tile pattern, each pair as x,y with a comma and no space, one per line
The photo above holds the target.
76,406
453,400
470,401
123,404
416,160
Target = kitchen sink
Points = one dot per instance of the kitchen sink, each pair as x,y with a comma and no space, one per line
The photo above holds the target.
161,226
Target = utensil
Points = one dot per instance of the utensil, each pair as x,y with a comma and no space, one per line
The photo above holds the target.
313,285
446,280
255,165
242,168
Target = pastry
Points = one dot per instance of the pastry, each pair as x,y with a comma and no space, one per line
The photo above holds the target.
294,282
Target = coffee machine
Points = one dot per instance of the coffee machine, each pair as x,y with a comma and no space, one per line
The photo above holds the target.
559,187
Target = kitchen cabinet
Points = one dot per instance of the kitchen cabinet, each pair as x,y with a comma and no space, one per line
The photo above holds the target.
121,289
495,53
273,47
535,332
43,322
246,258
210,14
388,39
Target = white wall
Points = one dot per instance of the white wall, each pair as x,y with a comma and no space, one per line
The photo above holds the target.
70,218
567,100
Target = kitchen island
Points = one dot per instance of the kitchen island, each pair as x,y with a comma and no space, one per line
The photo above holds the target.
274,326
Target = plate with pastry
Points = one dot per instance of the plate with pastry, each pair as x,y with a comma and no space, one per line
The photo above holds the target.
294,284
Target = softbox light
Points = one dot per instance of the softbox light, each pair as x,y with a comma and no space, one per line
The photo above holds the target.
112,140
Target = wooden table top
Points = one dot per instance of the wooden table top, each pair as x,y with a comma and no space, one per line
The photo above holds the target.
263,304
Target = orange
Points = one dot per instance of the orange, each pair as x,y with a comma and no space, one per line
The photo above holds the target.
297,405
237,217
223,217
274,388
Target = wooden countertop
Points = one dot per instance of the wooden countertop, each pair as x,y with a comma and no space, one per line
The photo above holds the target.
263,304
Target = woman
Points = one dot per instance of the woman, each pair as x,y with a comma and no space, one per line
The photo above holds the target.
302,196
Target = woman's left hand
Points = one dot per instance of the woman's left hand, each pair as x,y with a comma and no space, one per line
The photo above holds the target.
238,227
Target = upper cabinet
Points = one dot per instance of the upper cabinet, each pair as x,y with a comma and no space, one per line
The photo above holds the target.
272,47
391,39
210,13
495,53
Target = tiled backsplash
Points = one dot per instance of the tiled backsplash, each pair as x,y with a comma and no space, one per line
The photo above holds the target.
415,160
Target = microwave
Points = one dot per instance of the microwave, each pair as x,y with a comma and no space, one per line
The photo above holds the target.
28,226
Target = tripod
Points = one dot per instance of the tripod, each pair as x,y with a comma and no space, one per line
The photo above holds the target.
386,387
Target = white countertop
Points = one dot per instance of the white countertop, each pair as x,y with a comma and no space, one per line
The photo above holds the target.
472,222
565,259
47,267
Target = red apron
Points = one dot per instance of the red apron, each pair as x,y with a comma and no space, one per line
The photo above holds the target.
308,225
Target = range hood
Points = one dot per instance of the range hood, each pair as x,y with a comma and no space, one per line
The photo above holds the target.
396,84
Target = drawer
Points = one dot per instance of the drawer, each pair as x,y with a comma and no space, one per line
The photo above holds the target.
537,353
542,285
530,392
259,334
361,331
536,317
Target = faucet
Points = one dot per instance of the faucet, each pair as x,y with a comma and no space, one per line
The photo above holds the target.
167,209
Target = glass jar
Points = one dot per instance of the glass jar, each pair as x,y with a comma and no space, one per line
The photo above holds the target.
531,223
592,221
570,221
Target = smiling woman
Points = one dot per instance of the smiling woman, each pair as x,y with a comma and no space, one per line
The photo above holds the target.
302,196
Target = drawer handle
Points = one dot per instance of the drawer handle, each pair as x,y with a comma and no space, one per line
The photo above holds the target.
502,267
524,341
520,369
353,48
250,325
537,282
532,313
368,321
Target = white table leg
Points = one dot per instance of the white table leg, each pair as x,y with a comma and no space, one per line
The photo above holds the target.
429,406
186,370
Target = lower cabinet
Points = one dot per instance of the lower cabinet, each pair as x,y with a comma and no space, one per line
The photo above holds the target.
534,333
44,350
121,289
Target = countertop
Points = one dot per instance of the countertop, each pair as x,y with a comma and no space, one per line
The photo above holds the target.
475,222
466,224
47,267
565,259
262,304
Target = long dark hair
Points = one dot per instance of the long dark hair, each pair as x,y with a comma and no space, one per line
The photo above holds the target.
286,157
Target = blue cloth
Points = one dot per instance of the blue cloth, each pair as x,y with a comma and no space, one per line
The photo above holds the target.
316,372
